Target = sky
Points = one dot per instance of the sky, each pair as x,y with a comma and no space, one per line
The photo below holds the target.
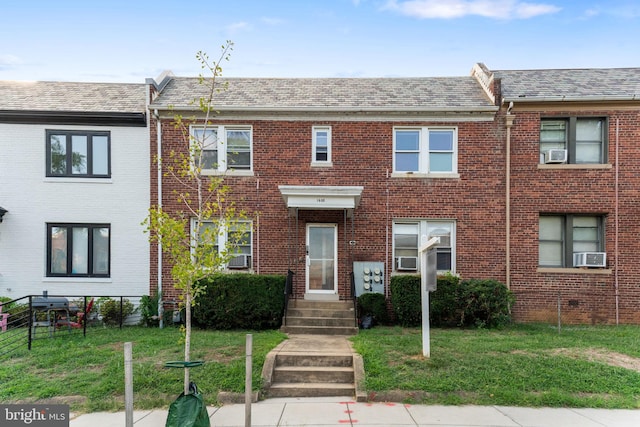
131,40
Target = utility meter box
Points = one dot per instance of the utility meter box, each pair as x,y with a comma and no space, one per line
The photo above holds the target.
369,277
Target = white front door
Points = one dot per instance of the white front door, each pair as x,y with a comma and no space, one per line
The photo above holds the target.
322,253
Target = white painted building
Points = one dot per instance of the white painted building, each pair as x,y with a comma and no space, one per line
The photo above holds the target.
74,181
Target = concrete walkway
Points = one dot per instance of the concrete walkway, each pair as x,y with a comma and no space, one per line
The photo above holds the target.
330,412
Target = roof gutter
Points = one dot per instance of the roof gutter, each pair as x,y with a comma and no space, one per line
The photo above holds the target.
100,118
325,109
524,98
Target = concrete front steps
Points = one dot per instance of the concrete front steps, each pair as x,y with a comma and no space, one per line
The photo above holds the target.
320,317
299,375
314,366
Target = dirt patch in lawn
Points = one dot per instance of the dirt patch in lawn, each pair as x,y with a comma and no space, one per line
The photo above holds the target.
610,358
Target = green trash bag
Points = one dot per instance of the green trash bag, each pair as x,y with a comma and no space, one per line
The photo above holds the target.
188,410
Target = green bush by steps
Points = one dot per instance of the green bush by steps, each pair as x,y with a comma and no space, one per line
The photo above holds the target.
240,301
483,303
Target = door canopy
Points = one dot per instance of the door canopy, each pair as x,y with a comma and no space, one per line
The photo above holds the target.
321,197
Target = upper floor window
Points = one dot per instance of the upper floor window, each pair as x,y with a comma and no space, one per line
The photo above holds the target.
407,238
235,237
578,140
321,145
562,236
425,150
223,148
78,250
79,154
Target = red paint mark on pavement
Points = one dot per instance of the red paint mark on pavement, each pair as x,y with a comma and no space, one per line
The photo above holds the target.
348,411
390,404
344,421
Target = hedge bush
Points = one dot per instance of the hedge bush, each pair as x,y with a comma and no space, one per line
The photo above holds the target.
240,301
480,303
375,305
443,302
406,300
110,310
485,303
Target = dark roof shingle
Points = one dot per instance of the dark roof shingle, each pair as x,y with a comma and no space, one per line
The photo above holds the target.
72,96
593,83
332,94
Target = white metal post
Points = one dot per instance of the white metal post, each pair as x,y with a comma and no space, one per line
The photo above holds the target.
426,245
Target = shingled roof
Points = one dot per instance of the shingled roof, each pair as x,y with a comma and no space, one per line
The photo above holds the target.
331,94
570,84
72,97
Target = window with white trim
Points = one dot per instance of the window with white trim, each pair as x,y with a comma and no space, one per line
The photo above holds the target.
407,237
78,250
583,139
560,236
235,237
321,145
223,148
425,150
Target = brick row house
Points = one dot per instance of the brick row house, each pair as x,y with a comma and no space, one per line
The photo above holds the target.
515,171
74,187
572,139
527,177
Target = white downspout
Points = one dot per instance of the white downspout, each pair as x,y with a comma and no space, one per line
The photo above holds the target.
159,203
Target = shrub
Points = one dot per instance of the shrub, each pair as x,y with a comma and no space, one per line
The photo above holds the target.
406,300
375,305
480,303
13,308
110,310
485,303
443,302
149,311
240,301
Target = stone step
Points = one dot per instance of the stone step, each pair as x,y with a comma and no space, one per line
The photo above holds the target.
326,305
318,312
320,330
314,360
319,389
313,374
319,321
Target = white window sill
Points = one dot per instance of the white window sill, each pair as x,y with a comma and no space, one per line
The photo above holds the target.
231,172
76,279
576,270
425,175
321,164
575,166
79,180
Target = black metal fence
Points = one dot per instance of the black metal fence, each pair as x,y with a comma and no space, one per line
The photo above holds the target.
34,317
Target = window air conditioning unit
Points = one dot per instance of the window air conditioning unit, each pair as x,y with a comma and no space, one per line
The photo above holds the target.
408,263
589,259
240,261
555,155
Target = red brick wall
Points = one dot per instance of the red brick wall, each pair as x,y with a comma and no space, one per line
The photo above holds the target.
362,156
585,296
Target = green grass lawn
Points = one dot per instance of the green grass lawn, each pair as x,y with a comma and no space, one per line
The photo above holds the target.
88,373
526,365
